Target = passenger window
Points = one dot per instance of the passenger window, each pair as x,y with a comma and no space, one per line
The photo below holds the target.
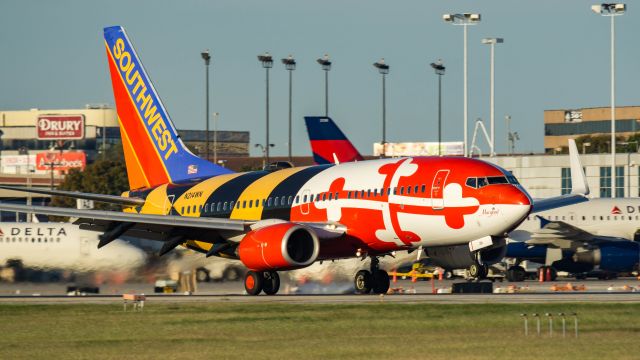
355,194
362,194
182,210
244,204
304,199
368,193
194,209
408,190
224,206
375,192
423,187
336,195
401,190
290,200
388,191
269,202
231,205
395,191
330,196
297,199
348,194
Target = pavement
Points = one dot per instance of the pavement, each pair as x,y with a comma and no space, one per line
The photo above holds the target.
620,290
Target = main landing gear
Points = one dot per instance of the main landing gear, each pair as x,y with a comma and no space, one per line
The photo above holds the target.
376,280
478,271
257,281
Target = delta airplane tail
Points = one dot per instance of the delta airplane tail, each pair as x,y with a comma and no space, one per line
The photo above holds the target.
328,142
153,150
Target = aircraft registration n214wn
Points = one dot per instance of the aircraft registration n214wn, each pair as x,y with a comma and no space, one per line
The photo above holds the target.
283,219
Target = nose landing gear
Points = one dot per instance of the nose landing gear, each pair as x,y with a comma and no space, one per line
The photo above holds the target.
375,280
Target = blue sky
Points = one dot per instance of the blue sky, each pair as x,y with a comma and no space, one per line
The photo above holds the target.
555,55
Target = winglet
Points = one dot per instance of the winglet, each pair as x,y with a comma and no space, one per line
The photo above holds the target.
578,179
543,221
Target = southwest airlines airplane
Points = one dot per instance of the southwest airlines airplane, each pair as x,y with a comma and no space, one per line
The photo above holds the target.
288,218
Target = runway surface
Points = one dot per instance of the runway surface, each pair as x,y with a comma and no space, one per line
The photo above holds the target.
336,293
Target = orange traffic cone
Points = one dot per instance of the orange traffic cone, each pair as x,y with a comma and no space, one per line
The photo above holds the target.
395,276
541,274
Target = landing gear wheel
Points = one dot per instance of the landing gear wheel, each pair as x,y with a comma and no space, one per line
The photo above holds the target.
478,271
202,275
253,281
516,274
363,282
271,282
380,282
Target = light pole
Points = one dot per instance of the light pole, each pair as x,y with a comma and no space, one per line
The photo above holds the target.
439,68
383,69
612,10
290,64
326,66
492,42
267,63
265,151
207,59
216,115
464,20
629,164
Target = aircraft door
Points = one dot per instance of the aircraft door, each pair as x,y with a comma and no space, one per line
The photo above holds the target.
437,188
304,207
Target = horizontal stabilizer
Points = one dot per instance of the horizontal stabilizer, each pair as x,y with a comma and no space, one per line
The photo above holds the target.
113,199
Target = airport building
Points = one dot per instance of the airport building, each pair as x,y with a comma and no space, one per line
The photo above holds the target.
37,147
561,125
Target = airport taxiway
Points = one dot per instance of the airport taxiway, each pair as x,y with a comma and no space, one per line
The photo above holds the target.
336,293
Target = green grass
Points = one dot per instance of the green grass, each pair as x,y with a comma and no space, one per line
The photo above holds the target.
286,331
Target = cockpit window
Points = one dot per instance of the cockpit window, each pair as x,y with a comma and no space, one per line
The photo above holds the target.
512,180
471,182
497,180
480,182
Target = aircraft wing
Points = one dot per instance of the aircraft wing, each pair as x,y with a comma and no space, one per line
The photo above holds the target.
579,186
172,230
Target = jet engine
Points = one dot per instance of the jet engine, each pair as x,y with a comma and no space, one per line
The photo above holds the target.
282,246
618,256
461,257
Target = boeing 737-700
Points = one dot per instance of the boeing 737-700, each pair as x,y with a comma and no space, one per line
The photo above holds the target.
283,219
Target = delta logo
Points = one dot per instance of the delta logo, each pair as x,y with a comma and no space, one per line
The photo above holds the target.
629,209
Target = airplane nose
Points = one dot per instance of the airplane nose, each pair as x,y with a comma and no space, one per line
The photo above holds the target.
514,195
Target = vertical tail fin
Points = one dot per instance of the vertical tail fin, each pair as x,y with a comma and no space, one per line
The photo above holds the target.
154,152
328,142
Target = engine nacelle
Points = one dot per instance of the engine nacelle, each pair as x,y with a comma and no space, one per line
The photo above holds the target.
282,246
618,256
460,257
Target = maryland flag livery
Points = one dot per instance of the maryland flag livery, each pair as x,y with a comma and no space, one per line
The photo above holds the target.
458,209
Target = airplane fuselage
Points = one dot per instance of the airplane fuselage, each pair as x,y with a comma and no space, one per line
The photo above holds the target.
63,246
386,205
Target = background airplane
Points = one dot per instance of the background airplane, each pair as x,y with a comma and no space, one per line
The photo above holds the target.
601,234
458,209
62,246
